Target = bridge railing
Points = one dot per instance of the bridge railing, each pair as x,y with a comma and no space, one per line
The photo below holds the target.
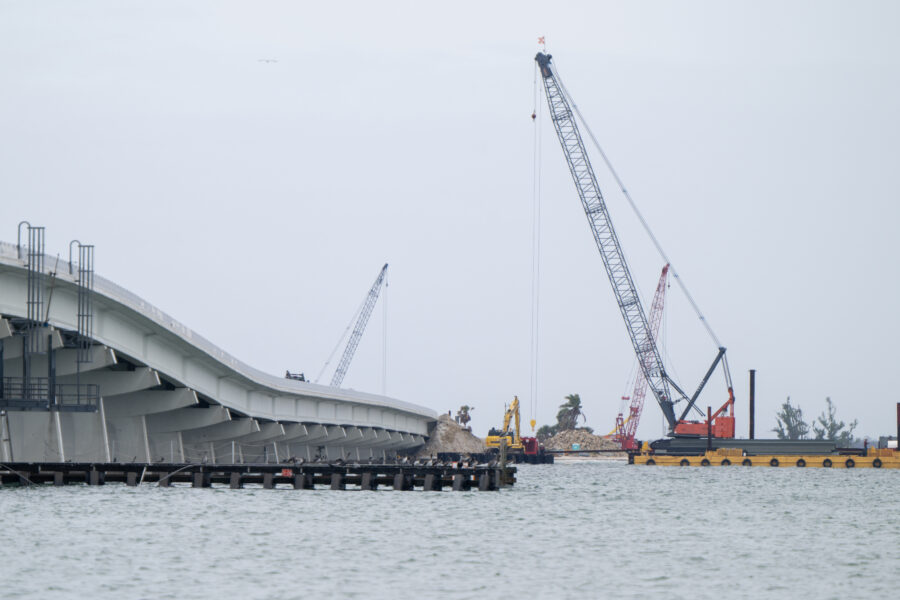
16,393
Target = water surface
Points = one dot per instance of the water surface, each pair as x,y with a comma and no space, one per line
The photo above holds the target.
592,530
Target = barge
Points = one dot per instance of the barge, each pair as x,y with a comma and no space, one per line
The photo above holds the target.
871,458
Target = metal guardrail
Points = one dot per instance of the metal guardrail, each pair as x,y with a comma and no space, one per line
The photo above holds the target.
35,394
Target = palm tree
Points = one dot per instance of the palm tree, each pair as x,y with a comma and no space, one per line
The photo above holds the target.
462,415
567,417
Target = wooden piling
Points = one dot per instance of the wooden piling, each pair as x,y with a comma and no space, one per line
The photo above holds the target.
426,477
502,477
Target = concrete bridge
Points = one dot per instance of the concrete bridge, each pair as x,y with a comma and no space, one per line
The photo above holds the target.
147,388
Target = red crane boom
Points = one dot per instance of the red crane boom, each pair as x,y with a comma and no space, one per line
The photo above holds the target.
627,428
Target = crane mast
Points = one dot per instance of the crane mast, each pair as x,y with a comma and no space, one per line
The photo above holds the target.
358,329
627,428
607,242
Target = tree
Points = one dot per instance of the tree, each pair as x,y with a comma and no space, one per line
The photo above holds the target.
462,415
791,425
545,432
567,417
830,428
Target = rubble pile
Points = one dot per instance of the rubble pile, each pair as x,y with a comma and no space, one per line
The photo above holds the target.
448,436
586,441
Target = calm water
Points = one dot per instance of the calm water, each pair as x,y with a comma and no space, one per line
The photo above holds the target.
565,531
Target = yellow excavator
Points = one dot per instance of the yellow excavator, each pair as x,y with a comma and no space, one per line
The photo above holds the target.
513,438
521,448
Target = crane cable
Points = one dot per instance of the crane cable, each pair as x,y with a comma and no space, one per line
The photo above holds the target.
340,341
384,333
535,249
638,213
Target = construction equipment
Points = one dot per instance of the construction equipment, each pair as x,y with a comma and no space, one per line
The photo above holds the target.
627,427
519,448
358,329
513,438
515,442
639,330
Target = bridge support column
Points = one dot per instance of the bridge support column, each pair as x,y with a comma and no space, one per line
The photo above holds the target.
368,482
432,483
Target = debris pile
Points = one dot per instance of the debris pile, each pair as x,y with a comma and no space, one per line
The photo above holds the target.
585,440
448,436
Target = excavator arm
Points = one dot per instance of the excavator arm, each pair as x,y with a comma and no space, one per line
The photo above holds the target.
514,409
514,439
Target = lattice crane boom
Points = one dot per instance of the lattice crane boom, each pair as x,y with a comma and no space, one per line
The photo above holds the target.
721,423
358,329
625,433
607,241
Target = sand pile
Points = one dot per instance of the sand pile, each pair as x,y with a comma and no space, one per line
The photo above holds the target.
587,441
448,436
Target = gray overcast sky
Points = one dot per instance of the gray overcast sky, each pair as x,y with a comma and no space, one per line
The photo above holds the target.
255,201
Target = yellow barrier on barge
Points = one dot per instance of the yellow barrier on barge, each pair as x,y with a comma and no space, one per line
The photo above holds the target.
726,457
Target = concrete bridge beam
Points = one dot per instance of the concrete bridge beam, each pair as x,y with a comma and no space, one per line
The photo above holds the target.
149,402
267,432
185,419
66,364
228,430
5,329
294,432
337,435
317,434
116,383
